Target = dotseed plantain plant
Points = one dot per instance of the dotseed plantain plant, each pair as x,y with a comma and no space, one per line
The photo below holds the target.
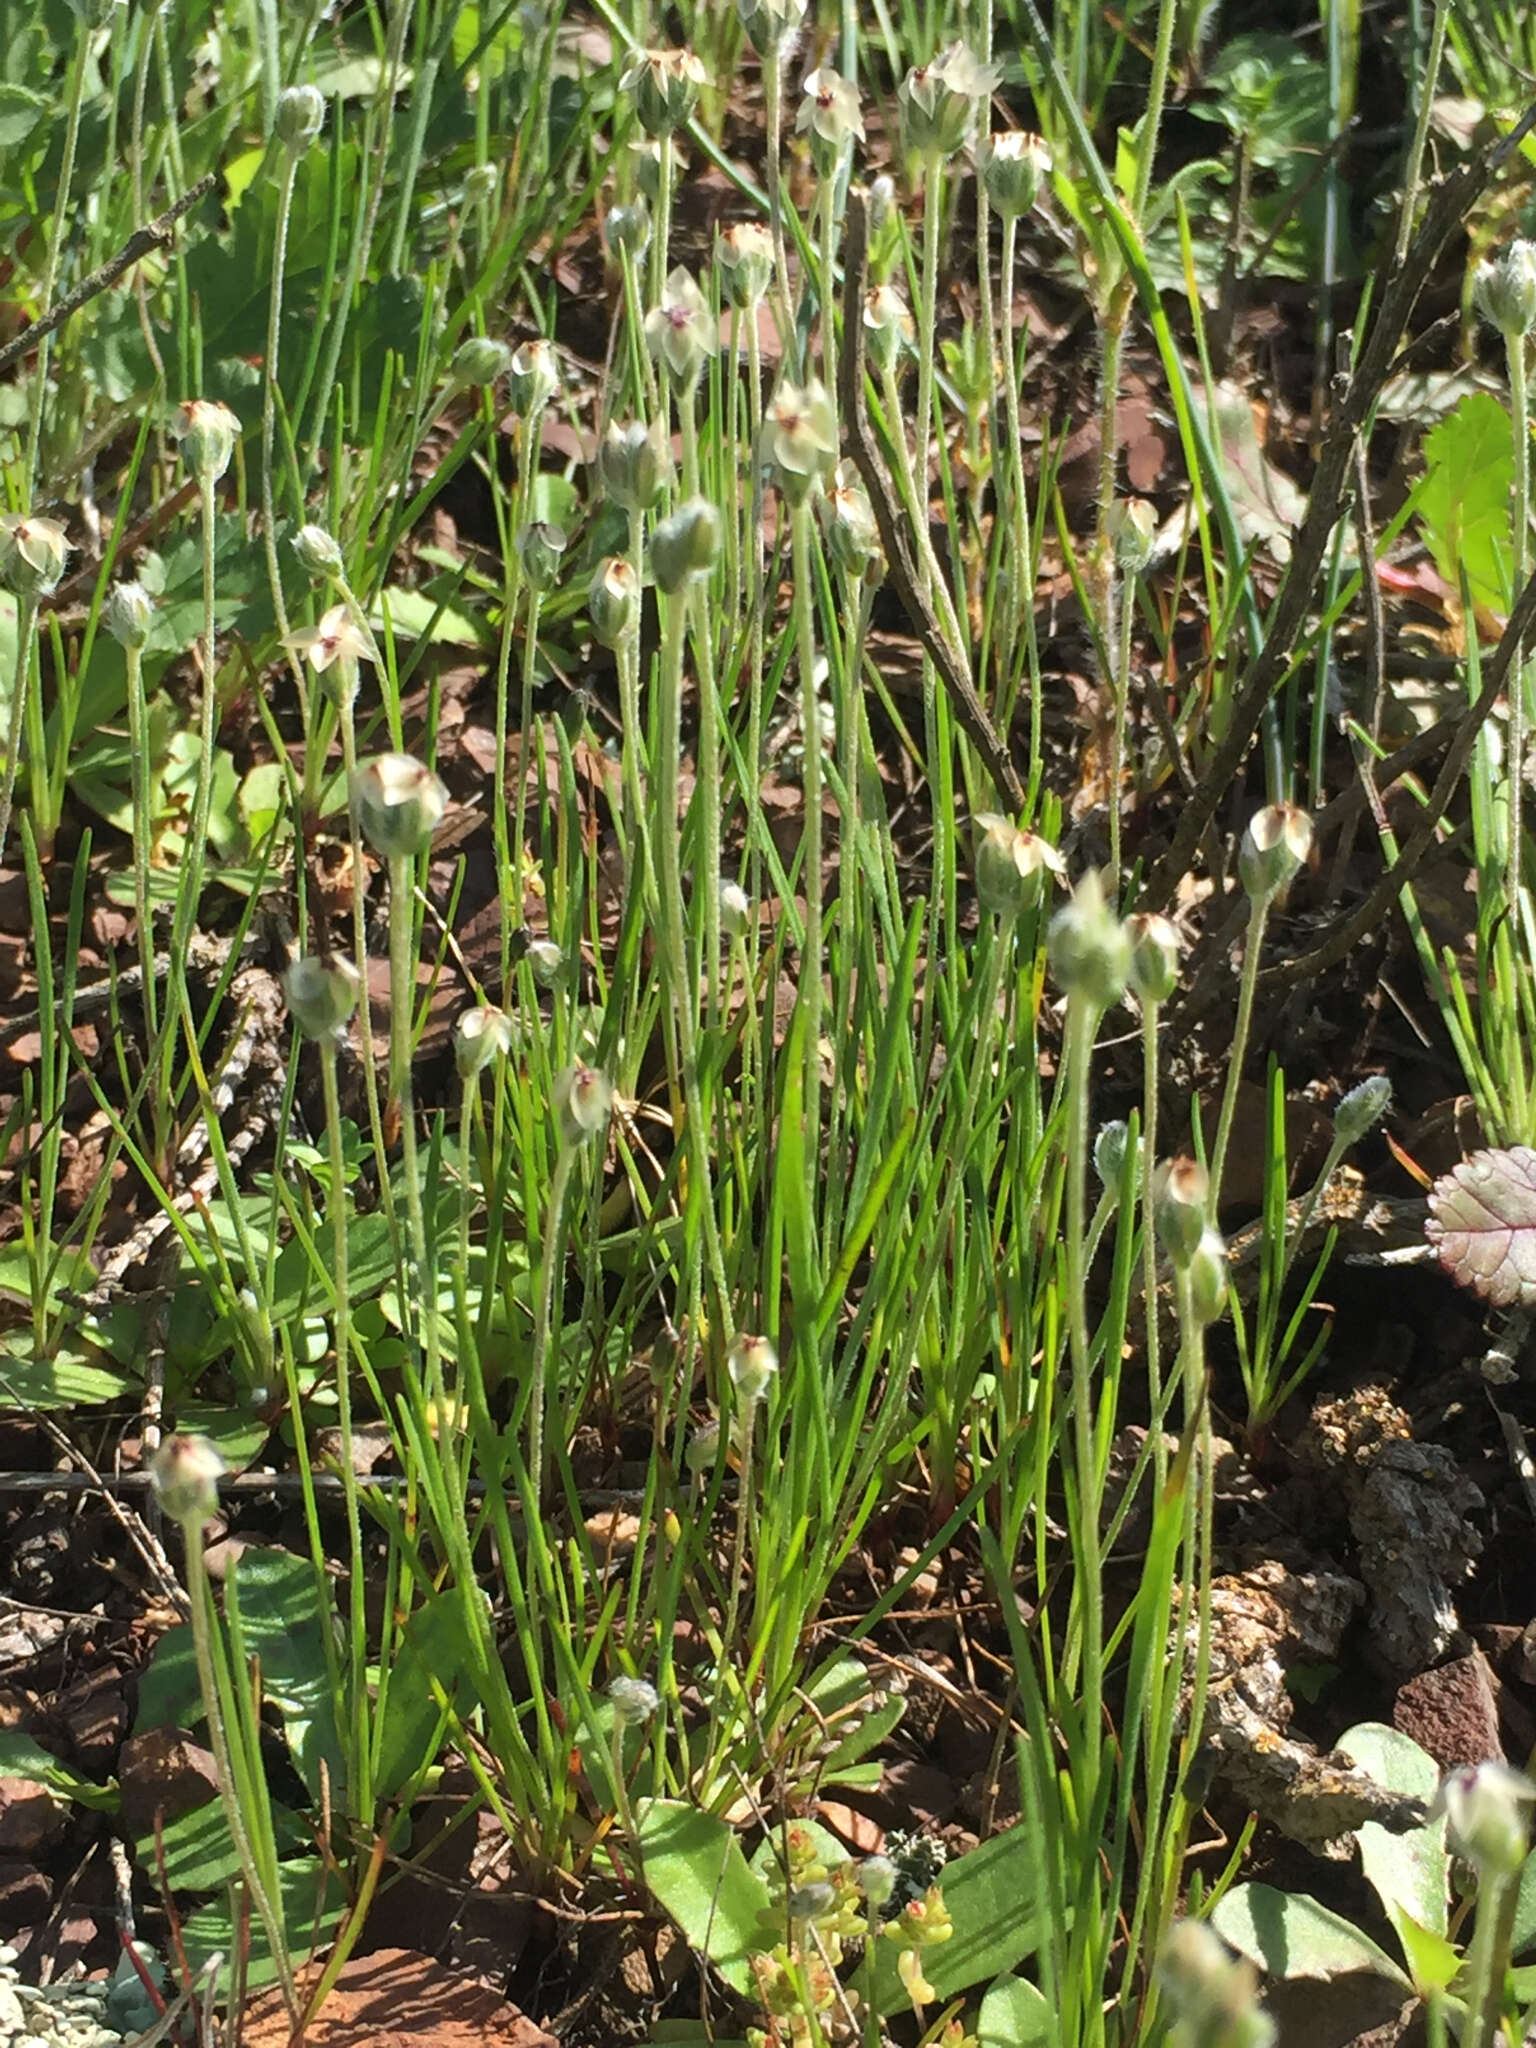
761,1165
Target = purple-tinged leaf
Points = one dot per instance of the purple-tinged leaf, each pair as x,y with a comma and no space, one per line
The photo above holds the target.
1482,1223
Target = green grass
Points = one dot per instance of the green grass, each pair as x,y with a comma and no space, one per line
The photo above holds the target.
765,1173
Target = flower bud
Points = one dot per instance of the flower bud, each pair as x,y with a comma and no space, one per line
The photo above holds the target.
645,155
318,552
634,1702
848,522
1012,166
400,804
1212,1995
877,1879
545,960
613,601
685,545
882,201
478,361
539,549
735,909
887,325
1154,956
768,22
799,438
300,117
744,260
665,86
1486,1809
703,1448
830,116
480,1036
1181,1192
811,1901
185,1472
1130,527
1011,865
583,1103
634,462
940,101
627,230
1277,841
208,436
1109,1154
321,994
533,378
129,614
480,182
1361,1108
33,552
1089,952
751,1363
1209,1272
1504,291
909,1968
680,332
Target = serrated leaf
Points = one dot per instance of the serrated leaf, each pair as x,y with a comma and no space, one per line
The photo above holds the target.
1289,1934
1464,502
1482,1223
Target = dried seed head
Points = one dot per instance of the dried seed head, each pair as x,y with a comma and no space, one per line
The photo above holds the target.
613,601
1155,949
665,85
848,522
540,548
583,1103
478,362
208,435
480,1036
751,1363
1275,845
1131,528
744,260
634,1702
321,994
634,462
318,552
1181,1193
185,1473
1012,167
1362,1107
400,804
1504,290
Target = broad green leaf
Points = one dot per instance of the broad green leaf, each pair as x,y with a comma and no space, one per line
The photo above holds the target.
432,1646
200,1851
21,1757
1290,1934
1464,503
169,1693
1014,2014
1524,1932
311,1903
1410,1873
990,1894
694,1868
1482,1223
21,110
1434,1963
285,1625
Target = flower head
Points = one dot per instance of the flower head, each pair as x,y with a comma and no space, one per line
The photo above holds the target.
680,332
665,85
300,117
185,1472
744,259
321,993
634,461
940,100
583,1103
1089,952
830,115
751,1363
1181,1194
848,521
613,601
799,438
1012,166
767,22
208,436
129,614
888,327
634,1701
1011,865
533,377
1504,290
1275,845
480,1035
685,544
339,642
1487,1815
400,804
1155,948
33,552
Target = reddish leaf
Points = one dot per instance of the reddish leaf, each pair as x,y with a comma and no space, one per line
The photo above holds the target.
1482,1223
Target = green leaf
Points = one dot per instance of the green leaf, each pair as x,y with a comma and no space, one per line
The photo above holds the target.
311,1902
990,1894
21,1757
71,1378
285,1626
1410,1873
1290,1934
1464,503
1014,2014
199,1849
169,1693
21,109
695,1870
1523,1935
432,1646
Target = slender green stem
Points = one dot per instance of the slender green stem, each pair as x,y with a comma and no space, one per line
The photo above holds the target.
359,1752
1519,695
200,1595
1151,1068
773,98
143,831
552,1264
810,874
1121,687
1497,1897
1258,917
1082,1023
26,649
63,217
269,387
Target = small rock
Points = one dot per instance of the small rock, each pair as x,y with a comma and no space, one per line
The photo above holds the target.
163,1772
1451,1712
30,1815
